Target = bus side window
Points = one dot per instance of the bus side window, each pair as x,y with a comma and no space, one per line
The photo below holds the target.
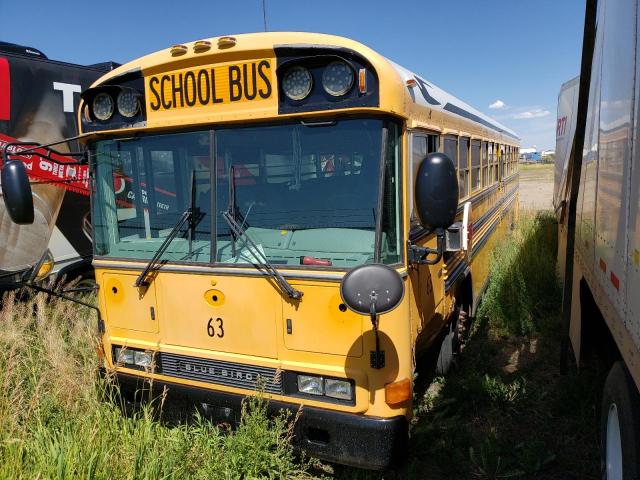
419,147
475,165
495,162
485,165
433,142
463,167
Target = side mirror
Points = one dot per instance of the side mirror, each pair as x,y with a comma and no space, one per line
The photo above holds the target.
436,192
370,290
16,192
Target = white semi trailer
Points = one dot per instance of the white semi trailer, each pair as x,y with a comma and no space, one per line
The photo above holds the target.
597,201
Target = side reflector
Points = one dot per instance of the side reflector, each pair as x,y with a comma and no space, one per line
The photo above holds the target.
603,265
615,281
362,81
397,392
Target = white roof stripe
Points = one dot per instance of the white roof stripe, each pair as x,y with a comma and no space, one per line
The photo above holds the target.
440,100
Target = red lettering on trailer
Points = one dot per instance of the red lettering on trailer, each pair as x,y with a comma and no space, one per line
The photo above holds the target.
5,90
561,126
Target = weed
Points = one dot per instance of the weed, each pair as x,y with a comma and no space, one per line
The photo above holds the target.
524,288
55,422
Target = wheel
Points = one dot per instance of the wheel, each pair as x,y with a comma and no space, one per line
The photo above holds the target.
620,426
451,343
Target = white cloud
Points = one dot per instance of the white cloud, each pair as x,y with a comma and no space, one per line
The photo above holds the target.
535,113
498,105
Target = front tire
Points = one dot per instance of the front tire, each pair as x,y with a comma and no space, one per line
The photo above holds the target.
452,341
620,426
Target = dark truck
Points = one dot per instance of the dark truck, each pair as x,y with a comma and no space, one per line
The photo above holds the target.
39,98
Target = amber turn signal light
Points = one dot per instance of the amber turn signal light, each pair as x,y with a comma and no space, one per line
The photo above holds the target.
397,392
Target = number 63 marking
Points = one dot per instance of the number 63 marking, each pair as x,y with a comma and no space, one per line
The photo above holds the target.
212,331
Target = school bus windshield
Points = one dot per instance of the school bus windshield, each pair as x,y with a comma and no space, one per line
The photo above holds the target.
300,190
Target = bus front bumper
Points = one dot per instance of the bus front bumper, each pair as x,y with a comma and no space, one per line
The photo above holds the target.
347,438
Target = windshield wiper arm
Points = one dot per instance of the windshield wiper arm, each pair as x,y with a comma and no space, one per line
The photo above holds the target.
238,231
191,215
155,260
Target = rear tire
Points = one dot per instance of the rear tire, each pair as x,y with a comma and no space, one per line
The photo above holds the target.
620,426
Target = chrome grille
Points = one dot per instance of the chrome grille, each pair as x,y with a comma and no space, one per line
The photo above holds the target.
230,374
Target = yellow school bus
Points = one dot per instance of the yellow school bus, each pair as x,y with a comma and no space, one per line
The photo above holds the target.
238,181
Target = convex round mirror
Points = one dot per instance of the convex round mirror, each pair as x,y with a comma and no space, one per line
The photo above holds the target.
436,192
16,192
373,283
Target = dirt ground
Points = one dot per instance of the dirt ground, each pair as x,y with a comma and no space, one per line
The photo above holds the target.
536,187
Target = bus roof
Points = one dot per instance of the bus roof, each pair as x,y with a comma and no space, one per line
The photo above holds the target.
402,92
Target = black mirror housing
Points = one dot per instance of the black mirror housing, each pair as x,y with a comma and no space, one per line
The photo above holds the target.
436,192
372,289
16,192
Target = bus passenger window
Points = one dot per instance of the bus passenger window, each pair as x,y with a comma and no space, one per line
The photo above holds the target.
475,165
419,146
463,167
485,165
495,163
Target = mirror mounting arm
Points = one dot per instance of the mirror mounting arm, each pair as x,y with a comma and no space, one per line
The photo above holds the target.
52,292
376,357
420,255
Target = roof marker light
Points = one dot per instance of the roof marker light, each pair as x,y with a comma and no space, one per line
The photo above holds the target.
177,50
412,83
201,46
226,42
362,81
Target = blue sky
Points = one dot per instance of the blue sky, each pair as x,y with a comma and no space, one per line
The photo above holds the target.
517,52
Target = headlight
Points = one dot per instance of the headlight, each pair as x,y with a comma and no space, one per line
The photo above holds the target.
132,356
337,78
142,359
297,83
310,385
128,104
338,389
123,355
103,106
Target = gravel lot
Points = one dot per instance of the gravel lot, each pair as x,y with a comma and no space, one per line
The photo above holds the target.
536,187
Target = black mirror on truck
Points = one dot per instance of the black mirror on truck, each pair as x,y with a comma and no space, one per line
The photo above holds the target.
16,192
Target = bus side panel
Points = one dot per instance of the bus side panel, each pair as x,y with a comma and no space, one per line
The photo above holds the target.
616,117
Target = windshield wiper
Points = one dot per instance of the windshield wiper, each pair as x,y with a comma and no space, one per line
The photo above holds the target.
191,215
238,231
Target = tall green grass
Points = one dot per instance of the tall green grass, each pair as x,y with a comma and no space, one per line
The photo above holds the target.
58,422
506,412
523,290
